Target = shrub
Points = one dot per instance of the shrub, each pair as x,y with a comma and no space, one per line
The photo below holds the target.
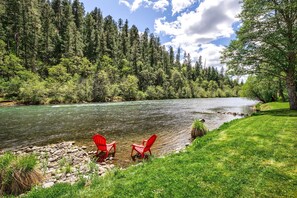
18,174
198,129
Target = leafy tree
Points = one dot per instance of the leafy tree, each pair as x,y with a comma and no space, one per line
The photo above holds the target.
33,91
101,87
129,87
264,90
266,42
59,74
146,78
177,80
10,65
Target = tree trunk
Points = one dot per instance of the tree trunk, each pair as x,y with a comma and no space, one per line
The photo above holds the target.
291,86
281,90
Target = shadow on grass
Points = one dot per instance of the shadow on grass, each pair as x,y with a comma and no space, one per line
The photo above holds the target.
278,112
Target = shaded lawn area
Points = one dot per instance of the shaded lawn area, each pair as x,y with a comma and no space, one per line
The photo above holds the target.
250,157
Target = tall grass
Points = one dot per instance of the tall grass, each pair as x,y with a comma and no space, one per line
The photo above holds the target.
198,129
17,174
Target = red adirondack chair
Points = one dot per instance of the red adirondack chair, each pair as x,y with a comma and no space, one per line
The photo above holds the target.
146,146
100,142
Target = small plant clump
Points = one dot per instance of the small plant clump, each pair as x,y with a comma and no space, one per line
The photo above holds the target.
17,174
198,129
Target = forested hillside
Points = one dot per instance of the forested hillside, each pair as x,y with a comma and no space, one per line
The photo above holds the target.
55,52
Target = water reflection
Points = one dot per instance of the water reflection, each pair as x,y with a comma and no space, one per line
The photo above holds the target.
125,122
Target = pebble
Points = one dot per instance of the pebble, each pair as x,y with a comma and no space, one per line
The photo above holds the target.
48,184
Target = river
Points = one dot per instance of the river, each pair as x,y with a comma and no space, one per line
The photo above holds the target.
124,122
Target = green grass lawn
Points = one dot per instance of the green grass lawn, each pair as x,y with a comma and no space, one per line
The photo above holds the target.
274,106
251,157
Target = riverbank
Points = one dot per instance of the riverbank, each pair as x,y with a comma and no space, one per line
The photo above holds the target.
65,162
254,156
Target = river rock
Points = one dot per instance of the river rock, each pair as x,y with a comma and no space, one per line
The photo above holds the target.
48,184
53,159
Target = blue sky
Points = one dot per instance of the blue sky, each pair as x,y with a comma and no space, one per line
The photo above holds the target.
199,27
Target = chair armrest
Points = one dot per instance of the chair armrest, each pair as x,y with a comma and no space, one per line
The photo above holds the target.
137,145
144,141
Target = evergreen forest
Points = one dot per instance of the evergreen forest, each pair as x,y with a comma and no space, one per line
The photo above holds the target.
55,52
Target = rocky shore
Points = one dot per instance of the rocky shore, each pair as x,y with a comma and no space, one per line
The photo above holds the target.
65,162
234,114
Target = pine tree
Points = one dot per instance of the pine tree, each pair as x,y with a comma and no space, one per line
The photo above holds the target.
110,36
58,15
11,22
188,64
171,56
48,33
125,40
89,38
29,32
135,49
177,63
78,13
98,34
67,31
145,47
2,17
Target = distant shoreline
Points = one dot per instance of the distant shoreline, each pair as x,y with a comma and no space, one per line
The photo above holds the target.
12,103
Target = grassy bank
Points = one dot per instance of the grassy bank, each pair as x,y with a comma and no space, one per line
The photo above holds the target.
250,157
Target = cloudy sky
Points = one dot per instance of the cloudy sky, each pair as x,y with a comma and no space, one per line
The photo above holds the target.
199,27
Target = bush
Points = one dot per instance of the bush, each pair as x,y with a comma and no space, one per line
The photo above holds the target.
151,93
129,87
141,95
198,129
17,174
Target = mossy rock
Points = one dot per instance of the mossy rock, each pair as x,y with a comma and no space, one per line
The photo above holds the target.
198,129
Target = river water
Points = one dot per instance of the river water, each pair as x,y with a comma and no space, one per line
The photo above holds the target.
124,122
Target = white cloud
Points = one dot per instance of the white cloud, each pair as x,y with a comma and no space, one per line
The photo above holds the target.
126,3
179,5
161,5
194,31
211,54
135,4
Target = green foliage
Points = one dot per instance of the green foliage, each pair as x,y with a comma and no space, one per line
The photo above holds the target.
33,92
101,87
261,89
274,106
156,93
129,87
198,129
51,52
198,125
266,53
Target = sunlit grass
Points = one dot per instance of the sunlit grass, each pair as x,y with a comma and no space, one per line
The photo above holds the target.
274,106
250,157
